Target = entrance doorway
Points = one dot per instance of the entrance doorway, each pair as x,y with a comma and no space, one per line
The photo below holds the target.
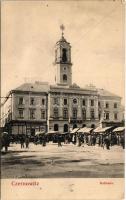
65,128
74,126
56,127
32,131
93,126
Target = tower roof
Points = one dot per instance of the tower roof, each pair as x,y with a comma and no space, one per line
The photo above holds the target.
62,39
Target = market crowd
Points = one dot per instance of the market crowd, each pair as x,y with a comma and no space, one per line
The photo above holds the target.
78,139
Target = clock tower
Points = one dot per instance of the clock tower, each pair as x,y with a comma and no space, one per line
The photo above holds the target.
63,63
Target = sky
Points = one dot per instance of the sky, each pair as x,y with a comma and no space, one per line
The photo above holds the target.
95,30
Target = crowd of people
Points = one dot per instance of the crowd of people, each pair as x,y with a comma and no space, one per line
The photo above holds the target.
79,139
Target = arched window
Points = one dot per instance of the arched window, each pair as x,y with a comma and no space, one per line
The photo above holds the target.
93,126
64,55
74,126
64,77
84,125
65,128
56,127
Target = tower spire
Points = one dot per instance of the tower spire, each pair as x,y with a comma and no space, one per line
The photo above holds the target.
62,27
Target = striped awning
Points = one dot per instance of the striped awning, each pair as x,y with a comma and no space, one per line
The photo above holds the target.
85,130
119,129
74,130
101,130
53,132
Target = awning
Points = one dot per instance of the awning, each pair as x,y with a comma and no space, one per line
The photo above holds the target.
119,129
85,130
101,130
53,132
74,130
39,132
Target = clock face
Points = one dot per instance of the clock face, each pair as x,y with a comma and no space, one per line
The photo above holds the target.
74,101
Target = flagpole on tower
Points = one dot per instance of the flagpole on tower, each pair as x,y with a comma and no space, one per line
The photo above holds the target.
62,27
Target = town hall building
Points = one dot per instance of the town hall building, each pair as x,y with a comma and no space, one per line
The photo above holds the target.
40,106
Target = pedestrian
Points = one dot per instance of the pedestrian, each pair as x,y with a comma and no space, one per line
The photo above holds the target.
27,142
107,142
122,141
59,140
22,141
5,141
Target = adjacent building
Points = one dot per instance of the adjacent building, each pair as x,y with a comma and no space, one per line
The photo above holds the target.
60,107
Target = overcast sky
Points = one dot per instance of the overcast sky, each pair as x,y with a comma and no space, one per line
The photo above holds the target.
95,30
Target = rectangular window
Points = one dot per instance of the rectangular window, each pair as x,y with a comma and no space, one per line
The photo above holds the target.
42,114
65,101
43,102
32,101
55,101
21,113
92,114
20,100
84,114
99,104
65,113
107,105
74,113
32,113
92,102
56,113
115,105
83,102
115,116
107,116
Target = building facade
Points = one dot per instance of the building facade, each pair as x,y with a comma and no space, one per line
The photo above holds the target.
60,107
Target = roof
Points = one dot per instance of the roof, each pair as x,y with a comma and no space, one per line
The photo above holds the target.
85,130
77,90
119,129
53,132
106,93
34,87
62,39
74,130
101,130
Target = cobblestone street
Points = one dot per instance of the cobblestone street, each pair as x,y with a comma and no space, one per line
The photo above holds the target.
61,162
